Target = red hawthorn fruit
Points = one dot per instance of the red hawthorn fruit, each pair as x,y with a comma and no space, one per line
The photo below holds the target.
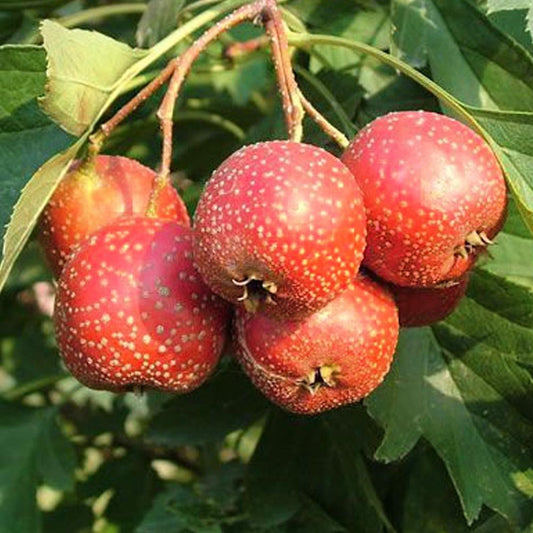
280,227
336,356
132,312
434,193
90,197
424,306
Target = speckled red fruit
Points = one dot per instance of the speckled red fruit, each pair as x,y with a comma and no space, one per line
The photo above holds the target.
280,227
431,186
336,356
424,306
88,199
132,312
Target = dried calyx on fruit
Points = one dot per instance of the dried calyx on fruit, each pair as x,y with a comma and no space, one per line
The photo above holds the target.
336,356
434,193
280,228
94,193
132,312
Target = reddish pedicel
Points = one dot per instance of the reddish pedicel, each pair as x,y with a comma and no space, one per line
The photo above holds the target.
434,192
280,227
88,199
132,312
336,356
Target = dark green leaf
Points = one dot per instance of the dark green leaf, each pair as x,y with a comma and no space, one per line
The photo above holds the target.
225,403
470,397
242,81
516,24
336,95
431,504
320,458
513,134
134,484
179,509
370,25
27,137
69,518
27,4
159,19
32,449
482,67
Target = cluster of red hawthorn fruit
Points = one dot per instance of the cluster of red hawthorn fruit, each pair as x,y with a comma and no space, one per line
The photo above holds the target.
145,299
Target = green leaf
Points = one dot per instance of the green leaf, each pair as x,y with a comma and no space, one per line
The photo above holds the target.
511,258
79,82
516,24
179,509
336,95
483,67
467,392
159,19
512,133
241,82
32,449
321,459
504,5
31,202
69,518
134,484
369,24
78,74
27,136
227,402
27,4
431,504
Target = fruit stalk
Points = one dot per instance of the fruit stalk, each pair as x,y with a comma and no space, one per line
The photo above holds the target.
279,44
240,49
181,68
324,124
266,12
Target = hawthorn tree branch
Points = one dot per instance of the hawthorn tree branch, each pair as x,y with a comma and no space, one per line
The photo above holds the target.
265,12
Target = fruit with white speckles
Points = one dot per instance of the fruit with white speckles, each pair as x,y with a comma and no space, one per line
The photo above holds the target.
132,312
91,196
336,356
424,306
434,193
280,227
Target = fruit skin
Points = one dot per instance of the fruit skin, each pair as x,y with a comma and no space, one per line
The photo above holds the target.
419,307
132,312
352,341
91,196
428,183
287,216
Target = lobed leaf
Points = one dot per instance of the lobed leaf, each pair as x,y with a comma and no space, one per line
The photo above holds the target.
467,389
483,66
